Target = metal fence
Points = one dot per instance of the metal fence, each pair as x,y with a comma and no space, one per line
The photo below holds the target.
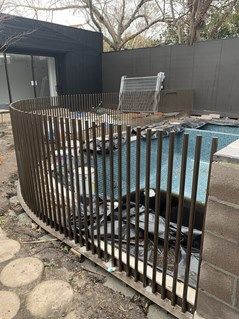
92,181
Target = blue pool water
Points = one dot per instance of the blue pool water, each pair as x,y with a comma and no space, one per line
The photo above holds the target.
212,131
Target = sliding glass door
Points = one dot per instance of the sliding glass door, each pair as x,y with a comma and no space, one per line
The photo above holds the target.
19,69
26,76
44,76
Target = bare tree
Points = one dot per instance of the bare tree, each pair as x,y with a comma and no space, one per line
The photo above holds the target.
196,15
125,23
3,18
120,21
9,39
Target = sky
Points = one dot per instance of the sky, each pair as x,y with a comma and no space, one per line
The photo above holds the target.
66,17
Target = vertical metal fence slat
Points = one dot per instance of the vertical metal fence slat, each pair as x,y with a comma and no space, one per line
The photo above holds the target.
89,171
214,146
35,158
36,120
112,212
105,213
119,131
137,200
168,213
49,168
128,185
157,206
53,156
180,215
191,219
23,155
61,207
83,186
45,179
77,183
46,169
146,219
95,165
65,176
72,185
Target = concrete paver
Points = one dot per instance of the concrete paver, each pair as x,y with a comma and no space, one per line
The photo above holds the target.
50,299
21,272
8,248
9,304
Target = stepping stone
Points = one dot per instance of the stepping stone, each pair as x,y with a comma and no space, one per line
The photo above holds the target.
8,248
10,304
50,299
21,272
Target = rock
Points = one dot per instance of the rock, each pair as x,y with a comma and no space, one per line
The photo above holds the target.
11,193
12,214
47,237
34,225
24,220
13,200
50,299
21,272
8,248
18,209
10,304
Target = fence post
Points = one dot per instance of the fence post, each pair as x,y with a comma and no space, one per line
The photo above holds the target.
218,294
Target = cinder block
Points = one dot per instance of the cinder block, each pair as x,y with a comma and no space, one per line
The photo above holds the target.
222,220
224,183
210,308
221,253
217,283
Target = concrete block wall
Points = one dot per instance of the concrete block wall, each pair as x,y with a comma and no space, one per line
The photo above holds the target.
218,296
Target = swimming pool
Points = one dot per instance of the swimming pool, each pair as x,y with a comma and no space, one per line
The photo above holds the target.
228,129
207,132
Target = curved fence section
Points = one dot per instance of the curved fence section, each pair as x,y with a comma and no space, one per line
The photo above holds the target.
135,201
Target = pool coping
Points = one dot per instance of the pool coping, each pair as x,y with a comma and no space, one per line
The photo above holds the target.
228,154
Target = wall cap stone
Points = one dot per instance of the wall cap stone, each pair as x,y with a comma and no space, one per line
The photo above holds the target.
228,154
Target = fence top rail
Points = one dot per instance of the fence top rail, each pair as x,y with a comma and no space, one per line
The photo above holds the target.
69,103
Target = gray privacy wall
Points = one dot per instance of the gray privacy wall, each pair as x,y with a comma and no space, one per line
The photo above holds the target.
210,68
